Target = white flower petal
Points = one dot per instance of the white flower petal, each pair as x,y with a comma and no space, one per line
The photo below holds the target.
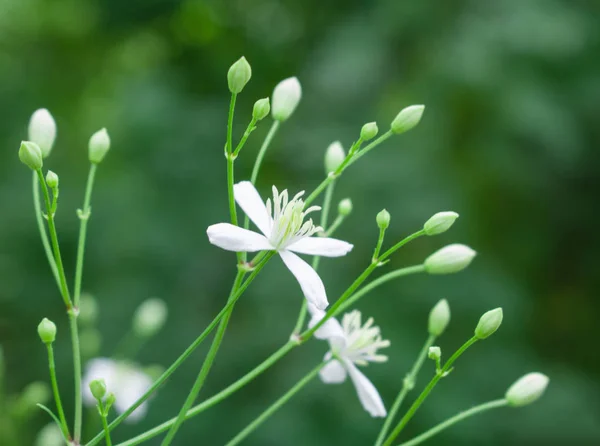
321,246
249,200
367,393
333,372
330,330
234,238
307,277
132,385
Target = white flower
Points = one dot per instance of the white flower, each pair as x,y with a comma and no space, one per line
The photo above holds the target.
42,130
284,230
286,96
351,344
123,379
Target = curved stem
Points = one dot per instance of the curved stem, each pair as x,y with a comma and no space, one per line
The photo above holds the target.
275,406
262,151
242,142
407,385
455,419
57,400
84,216
439,375
41,227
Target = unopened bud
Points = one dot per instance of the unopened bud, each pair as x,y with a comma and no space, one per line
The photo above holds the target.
47,331
286,97
439,223
238,75
450,259
435,353
30,154
334,156
408,118
383,219
489,323
149,317
369,131
42,130
98,388
527,389
345,207
261,109
110,400
439,318
98,146
52,180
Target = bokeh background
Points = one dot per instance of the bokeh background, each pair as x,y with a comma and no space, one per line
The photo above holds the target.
509,140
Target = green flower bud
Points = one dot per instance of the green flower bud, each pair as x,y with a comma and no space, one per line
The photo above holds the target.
369,131
439,318
527,389
286,96
408,118
238,75
383,219
98,146
489,323
52,180
88,309
47,331
30,154
110,400
334,156
42,130
261,109
450,259
149,317
440,222
98,388
345,207
435,353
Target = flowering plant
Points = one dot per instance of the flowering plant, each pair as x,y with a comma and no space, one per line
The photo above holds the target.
284,228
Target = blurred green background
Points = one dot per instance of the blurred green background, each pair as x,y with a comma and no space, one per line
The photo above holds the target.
509,140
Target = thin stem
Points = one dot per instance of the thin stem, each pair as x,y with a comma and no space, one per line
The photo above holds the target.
61,414
401,243
242,142
379,243
184,355
76,374
335,225
84,215
439,375
407,385
41,227
105,427
64,289
275,406
262,152
455,419
210,357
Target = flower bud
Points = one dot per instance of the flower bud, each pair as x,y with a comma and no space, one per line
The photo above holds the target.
149,317
450,259
489,323
52,180
261,109
110,400
88,309
383,219
345,207
435,353
47,331
369,131
238,75
42,130
98,388
30,154
408,118
286,97
334,156
439,318
439,223
98,146
527,389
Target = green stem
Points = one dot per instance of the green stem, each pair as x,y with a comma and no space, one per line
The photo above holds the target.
455,419
371,146
407,385
53,380
242,142
379,243
275,406
401,243
64,289
262,152
106,429
41,227
335,225
84,216
210,357
185,354
76,374
439,375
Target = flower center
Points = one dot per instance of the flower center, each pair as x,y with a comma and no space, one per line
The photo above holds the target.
362,342
288,224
